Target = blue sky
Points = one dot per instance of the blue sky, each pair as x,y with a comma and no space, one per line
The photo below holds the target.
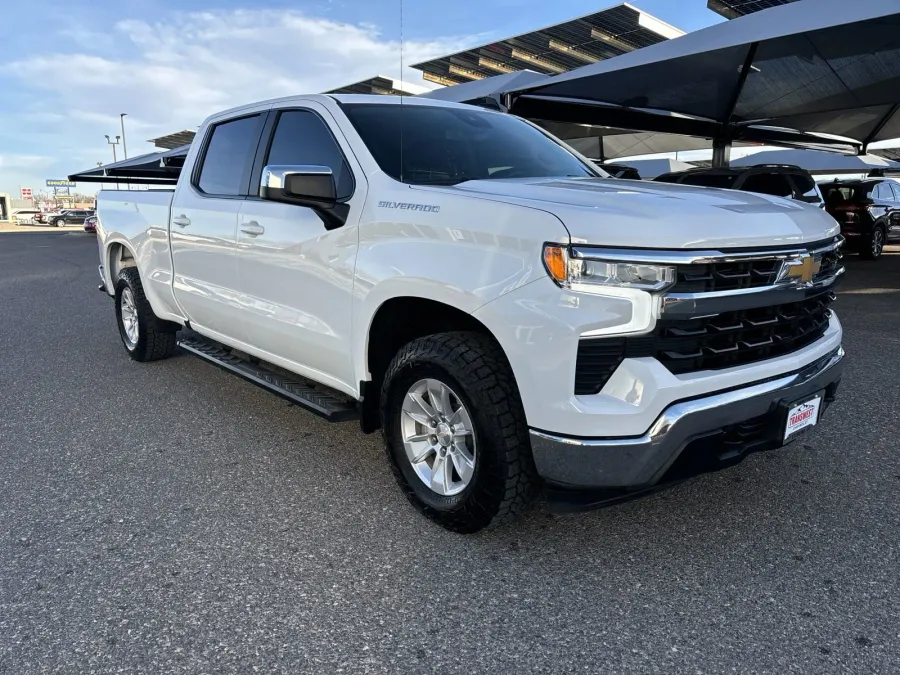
169,63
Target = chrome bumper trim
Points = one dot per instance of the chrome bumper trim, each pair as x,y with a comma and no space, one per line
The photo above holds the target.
637,461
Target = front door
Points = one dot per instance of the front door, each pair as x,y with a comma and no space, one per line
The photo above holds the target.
296,277
204,221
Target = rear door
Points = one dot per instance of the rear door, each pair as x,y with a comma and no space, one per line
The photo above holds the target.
296,277
203,224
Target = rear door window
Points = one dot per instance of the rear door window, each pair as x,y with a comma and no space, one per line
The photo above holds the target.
895,187
883,193
776,184
229,153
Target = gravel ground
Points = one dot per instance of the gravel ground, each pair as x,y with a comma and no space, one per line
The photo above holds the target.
170,517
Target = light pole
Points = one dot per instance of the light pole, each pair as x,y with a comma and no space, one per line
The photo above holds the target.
124,147
113,144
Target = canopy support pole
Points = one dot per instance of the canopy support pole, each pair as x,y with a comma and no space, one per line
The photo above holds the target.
878,127
721,152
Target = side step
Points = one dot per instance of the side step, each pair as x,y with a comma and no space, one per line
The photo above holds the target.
299,392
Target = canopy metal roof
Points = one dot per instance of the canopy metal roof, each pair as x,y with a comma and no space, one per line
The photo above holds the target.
819,162
555,49
381,85
175,140
732,9
835,70
487,92
155,168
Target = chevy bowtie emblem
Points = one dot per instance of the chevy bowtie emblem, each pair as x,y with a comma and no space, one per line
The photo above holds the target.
804,270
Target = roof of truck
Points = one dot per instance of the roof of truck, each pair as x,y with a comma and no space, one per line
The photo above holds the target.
341,98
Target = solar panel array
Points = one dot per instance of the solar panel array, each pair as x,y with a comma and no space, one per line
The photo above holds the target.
732,9
553,50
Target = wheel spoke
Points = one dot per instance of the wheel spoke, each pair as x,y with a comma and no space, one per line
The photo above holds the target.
418,417
464,463
419,401
419,455
440,397
440,475
463,424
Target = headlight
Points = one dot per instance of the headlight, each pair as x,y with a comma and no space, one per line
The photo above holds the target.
573,273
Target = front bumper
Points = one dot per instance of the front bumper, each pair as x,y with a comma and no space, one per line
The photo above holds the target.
689,437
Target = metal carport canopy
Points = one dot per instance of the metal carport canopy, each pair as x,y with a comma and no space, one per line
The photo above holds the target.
824,66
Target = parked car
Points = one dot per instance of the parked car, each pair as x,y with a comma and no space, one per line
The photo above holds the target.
90,224
67,217
868,211
507,313
780,180
25,216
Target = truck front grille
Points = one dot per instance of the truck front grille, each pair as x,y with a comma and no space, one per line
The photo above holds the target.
708,343
735,275
742,337
725,276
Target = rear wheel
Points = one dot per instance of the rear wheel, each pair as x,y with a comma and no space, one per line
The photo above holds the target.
874,247
455,431
146,337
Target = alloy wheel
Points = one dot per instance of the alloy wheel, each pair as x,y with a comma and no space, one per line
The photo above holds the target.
877,243
129,318
438,437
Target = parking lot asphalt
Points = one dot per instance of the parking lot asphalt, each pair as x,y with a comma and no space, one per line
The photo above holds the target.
169,517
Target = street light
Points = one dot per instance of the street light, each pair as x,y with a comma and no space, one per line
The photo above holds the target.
113,144
124,147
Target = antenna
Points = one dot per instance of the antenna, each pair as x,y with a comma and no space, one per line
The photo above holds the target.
401,91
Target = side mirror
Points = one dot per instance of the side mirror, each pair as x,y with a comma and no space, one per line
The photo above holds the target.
305,185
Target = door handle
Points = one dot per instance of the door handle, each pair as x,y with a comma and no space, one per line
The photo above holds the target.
181,221
252,228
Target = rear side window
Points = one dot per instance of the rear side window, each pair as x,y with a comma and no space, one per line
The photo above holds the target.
226,162
896,188
301,137
883,192
776,184
719,180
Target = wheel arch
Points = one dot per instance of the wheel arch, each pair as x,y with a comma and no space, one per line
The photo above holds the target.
396,322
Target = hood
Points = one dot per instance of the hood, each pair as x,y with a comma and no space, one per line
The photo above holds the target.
634,213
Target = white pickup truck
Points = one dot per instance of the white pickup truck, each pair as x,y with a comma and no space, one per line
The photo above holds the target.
511,317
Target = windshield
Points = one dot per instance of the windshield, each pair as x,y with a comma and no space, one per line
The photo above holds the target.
445,146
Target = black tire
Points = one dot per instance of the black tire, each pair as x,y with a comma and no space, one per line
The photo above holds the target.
874,246
59,222
156,338
505,481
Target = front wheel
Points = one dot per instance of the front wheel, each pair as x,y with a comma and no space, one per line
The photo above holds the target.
455,431
875,246
146,337
60,222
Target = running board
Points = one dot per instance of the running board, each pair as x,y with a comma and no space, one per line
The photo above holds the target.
298,391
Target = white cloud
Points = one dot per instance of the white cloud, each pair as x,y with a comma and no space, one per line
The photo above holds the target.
176,71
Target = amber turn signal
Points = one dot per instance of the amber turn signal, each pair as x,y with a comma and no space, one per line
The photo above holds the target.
555,262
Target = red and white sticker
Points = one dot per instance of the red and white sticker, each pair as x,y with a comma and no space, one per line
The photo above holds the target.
802,415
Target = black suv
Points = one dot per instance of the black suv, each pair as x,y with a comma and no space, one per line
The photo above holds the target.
780,180
868,211
69,217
